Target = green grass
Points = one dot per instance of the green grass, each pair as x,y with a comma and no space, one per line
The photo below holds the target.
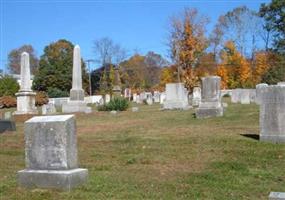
153,154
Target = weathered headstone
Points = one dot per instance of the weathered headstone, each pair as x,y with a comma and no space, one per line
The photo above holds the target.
7,115
235,98
176,97
277,196
128,93
25,96
51,154
272,114
135,97
7,125
281,83
259,92
245,96
156,96
76,101
149,99
48,109
162,98
196,96
210,105
107,98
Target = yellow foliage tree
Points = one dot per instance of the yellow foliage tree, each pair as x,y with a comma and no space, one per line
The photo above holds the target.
261,66
223,73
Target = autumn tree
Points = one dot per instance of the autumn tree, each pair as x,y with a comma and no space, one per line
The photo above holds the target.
187,43
167,75
234,67
14,59
55,68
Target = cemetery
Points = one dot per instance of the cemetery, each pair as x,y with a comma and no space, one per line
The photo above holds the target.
194,126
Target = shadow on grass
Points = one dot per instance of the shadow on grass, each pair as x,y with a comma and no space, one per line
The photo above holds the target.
252,136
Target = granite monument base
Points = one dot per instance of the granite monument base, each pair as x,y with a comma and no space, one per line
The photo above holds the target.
209,112
75,106
26,103
56,179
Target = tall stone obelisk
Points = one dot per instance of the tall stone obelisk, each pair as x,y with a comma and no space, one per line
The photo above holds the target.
117,84
25,96
76,101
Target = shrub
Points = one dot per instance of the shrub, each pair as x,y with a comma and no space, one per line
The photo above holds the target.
117,103
8,102
8,86
41,98
55,92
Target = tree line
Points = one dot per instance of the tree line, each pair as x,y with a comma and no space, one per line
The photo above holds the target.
245,48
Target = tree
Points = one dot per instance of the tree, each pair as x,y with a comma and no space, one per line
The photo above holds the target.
14,59
55,68
8,86
167,76
261,65
187,43
238,71
223,73
274,16
276,72
241,25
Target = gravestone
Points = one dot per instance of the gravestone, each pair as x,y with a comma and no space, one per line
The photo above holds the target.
7,125
245,96
135,97
272,114
210,105
281,83
149,99
107,98
259,91
156,96
162,98
76,101
235,98
277,196
7,115
25,96
176,97
127,93
48,109
51,154
196,96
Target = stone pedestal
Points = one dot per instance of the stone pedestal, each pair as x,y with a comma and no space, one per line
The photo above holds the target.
210,105
51,154
75,106
272,114
26,102
76,95
176,97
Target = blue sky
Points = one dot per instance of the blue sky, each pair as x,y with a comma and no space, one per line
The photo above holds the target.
136,25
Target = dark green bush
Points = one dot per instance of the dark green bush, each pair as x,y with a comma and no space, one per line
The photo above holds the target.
117,103
55,92
8,86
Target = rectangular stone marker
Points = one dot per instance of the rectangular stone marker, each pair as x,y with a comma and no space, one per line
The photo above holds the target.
51,154
7,125
272,114
196,96
277,196
176,97
210,105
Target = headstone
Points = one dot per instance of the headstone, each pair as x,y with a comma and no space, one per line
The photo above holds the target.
7,115
149,99
51,154
245,96
272,114
210,105
7,125
162,98
252,95
259,91
277,196
196,96
25,96
128,93
107,98
176,97
281,83
76,101
156,96
235,98
135,97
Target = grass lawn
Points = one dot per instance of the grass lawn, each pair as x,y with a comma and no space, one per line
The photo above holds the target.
154,154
